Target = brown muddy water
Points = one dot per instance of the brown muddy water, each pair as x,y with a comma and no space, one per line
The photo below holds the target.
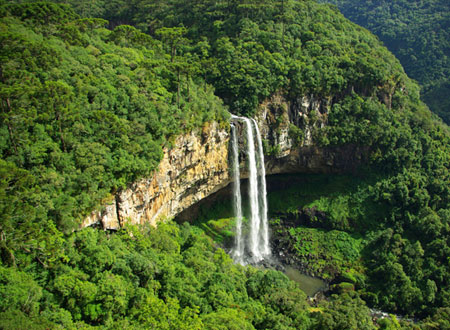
309,285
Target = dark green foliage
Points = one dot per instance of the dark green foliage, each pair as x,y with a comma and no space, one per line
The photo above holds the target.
141,277
397,256
418,33
86,110
346,311
249,50
340,202
440,320
328,254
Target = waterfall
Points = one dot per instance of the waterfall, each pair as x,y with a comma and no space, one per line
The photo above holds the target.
238,253
265,247
258,238
253,193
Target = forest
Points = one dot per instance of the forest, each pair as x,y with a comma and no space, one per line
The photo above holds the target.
418,33
92,91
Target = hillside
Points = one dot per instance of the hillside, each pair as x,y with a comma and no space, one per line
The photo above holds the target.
86,110
418,33
88,106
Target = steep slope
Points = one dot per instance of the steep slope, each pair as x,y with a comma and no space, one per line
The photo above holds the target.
418,33
86,112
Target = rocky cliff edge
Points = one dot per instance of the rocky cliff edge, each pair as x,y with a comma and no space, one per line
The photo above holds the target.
197,164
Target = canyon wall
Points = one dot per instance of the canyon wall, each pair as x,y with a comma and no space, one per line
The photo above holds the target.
197,164
195,167
291,130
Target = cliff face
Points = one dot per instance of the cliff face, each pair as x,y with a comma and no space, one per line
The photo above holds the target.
291,133
194,168
197,164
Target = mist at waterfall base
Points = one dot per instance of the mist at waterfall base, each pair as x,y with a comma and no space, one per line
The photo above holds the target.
252,245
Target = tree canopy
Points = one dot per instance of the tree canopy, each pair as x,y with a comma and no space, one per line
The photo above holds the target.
91,91
418,33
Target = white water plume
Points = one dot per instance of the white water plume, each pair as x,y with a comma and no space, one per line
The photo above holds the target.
265,247
238,252
258,239
253,193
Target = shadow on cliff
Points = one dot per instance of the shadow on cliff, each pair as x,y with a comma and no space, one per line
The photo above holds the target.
328,201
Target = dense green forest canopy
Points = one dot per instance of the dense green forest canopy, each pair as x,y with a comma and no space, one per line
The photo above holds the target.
86,110
418,33
167,278
250,49
87,105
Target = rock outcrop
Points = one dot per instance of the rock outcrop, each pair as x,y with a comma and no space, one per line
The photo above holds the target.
197,164
194,168
291,130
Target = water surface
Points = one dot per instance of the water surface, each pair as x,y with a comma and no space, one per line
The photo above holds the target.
310,285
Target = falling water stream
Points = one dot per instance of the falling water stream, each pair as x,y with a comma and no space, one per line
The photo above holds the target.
238,252
257,242
252,244
262,195
253,194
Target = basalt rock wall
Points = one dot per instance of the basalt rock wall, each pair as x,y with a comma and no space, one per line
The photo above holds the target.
197,164
195,167
291,132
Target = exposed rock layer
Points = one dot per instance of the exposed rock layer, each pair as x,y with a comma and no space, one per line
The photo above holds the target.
194,168
197,165
291,129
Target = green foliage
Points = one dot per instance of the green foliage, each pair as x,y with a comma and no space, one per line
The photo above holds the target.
347,311
131,279
397,254
345,200
221,230
418,33
440,320
329,254
296,135
19,291
250,50
84,112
